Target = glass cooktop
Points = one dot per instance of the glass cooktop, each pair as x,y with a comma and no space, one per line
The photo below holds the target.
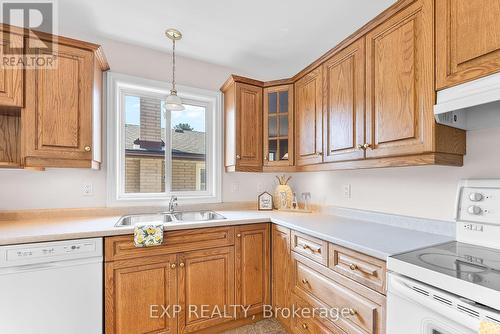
476,264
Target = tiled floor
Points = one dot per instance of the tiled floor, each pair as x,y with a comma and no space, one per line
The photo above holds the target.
268,326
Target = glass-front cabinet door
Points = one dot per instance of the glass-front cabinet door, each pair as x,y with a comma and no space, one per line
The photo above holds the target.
278,126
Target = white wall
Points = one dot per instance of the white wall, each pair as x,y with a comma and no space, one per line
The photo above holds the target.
415,191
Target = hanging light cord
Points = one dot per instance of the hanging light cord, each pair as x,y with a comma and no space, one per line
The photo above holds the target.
173,66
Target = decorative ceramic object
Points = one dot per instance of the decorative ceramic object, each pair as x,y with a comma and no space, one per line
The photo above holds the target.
283,193
265,201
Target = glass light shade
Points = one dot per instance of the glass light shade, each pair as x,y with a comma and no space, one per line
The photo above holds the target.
174,102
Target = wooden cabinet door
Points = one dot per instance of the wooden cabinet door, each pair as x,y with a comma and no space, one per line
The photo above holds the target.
133,289
278,126
467,40
281,271
309,120
59,107
400,89
252,267
206,288
249,127
11,78
344,104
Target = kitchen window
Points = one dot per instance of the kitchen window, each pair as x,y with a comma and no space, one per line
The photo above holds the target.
155,153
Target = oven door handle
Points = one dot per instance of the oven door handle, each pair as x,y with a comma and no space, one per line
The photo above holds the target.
398,286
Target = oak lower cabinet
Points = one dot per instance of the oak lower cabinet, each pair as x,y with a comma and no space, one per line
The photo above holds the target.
189,284
333,289
467,40
281,272
309,118
252,267
243,125
136,292
205,288
61,120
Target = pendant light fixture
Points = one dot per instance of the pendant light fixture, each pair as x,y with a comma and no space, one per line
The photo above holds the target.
173,102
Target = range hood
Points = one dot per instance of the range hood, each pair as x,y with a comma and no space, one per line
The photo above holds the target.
470,106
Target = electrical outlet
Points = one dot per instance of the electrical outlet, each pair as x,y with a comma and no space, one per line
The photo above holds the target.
235,187
346,188
88,189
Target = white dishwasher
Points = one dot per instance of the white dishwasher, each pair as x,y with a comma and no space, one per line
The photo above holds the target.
52,288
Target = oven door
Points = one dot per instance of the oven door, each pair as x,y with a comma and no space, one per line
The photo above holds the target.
415,308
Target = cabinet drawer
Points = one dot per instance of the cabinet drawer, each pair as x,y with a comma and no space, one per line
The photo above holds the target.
310,247
122,247
319,287
310,325
359,267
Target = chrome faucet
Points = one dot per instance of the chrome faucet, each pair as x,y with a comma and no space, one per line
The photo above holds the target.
172,204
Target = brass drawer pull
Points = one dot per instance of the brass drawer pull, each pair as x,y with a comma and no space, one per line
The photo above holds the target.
173,266
305,281
304,325
87,148
352,266
305,247
352,312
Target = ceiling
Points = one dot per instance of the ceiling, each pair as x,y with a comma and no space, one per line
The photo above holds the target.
268,39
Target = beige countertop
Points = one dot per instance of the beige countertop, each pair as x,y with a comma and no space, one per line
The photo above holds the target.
378,240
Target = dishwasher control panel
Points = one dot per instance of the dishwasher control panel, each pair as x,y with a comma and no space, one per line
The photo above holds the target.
49,251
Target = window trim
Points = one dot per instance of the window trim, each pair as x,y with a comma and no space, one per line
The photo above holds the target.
117,83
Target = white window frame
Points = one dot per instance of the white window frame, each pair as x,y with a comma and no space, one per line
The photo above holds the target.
119,85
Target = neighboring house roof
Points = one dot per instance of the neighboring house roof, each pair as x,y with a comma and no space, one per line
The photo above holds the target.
183,143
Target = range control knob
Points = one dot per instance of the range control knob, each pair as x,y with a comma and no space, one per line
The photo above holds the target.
475,210
476,197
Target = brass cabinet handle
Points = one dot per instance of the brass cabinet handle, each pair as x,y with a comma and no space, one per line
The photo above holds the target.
238,156
305,247
238,235
352,311
364,147
305,281
87,148
304,325
173,266
352,266
181,265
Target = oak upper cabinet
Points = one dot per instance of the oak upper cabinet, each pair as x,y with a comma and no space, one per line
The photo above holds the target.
11,78
281,271
308,118
132,286
252,248
399,87
62,115
206,288
278,126
467,40
344,104
243,125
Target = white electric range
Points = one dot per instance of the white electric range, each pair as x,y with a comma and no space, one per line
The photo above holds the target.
450,288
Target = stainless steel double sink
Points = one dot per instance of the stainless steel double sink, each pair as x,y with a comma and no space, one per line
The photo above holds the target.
165,218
